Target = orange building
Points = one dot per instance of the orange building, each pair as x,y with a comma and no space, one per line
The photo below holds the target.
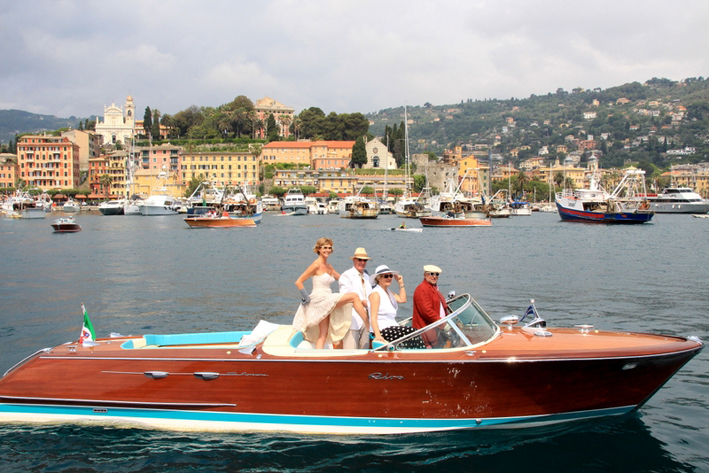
48,162
8,170
97,168
323,154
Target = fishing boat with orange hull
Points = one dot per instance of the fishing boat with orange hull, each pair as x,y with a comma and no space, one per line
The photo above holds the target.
473,374
222,221
455,222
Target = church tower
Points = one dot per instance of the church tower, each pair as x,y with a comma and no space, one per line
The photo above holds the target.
130,112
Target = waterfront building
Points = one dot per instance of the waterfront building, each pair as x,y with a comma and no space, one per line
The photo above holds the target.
378,182
316,154
223,168
118,125
336,181
8,170
48,162
158,158
282,114
89,145
287,178
147,182
97,168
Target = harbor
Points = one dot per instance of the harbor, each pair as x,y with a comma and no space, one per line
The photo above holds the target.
139,275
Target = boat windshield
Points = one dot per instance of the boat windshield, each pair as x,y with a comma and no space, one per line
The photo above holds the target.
466,326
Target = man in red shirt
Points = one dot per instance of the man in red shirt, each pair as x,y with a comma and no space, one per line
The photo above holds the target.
429,304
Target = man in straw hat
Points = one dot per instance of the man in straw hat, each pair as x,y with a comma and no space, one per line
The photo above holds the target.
356,279
429,303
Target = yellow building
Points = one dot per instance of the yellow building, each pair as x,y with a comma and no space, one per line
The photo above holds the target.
475,178
147,181
576,174
8,170
223,168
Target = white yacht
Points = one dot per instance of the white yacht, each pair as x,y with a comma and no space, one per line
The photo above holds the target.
294,203
112,207
312,204
71,206
676,200
158,204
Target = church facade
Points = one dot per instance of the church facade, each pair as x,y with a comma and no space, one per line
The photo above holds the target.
118,125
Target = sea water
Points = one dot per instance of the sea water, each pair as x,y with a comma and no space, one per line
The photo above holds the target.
154,274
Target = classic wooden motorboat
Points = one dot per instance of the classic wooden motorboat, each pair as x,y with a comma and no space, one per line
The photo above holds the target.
455,222
66,225
473,374
222,221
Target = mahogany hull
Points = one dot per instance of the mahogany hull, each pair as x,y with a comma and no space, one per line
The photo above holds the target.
454,222
370,392
219,222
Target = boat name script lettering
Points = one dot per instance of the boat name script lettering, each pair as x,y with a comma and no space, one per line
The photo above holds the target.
246,374
384,376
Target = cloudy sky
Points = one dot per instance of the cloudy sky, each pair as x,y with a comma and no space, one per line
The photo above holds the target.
70,57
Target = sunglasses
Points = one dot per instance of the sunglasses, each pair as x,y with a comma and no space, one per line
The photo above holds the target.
434,274
360,259
387,276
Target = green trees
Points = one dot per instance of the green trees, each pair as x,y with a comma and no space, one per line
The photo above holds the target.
312,123
148,122
359,153
193,185
271,128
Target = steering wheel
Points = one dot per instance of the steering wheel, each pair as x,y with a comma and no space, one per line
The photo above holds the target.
451,336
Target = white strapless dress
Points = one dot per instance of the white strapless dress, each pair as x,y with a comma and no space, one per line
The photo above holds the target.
322,303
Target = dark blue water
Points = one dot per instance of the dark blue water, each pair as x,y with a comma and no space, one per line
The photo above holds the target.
139,274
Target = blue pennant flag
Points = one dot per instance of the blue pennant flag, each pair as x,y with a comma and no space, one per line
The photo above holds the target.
529,311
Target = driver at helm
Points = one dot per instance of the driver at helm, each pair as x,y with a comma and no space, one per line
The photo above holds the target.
429,304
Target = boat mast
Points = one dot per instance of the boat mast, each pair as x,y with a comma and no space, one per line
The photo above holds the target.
407,164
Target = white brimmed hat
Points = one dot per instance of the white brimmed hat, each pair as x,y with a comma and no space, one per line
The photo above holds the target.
429,268
384,269
360,253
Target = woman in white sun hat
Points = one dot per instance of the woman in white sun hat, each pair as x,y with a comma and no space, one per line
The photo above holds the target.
383,306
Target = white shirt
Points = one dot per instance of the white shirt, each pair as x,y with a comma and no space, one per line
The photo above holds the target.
354,281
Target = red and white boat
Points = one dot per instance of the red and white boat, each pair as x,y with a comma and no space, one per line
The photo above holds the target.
66,225
474,374
222,221
455,222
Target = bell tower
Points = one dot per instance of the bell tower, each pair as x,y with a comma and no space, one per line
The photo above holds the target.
130,112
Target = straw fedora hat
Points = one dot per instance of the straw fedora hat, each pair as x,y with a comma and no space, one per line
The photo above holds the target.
360,253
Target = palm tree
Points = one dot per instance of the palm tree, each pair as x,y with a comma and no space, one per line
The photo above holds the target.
558,178
520,180
297,124
105,180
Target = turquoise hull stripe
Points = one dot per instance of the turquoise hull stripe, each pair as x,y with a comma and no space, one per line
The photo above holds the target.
295,420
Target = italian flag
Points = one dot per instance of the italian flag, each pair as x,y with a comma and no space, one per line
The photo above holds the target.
87,330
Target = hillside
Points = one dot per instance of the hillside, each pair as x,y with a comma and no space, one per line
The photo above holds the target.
17,121
659,115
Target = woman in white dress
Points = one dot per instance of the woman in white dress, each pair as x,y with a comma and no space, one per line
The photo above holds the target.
324,315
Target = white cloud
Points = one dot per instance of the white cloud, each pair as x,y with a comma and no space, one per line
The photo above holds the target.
72,58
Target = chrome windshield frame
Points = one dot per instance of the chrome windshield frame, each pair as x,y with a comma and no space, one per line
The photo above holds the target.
469,302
